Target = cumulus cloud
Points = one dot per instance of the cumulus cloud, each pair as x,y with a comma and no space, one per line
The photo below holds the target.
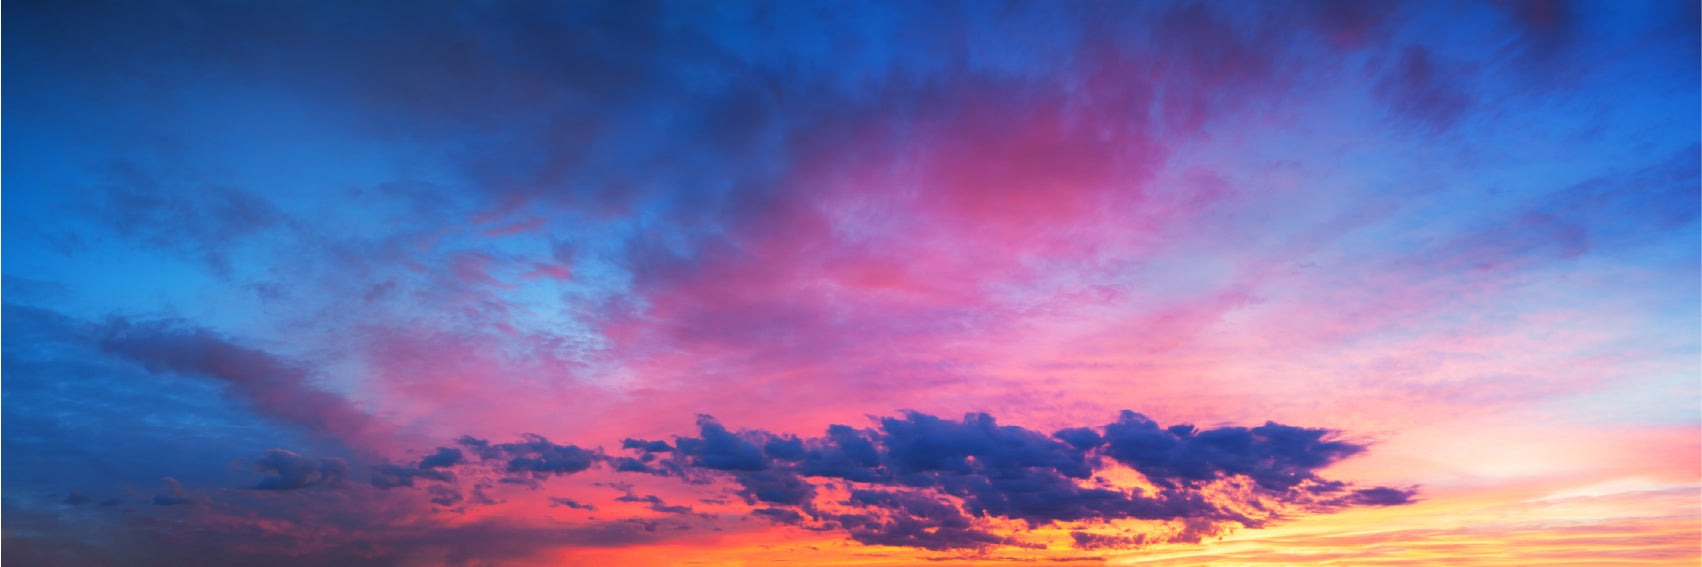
919,480
1277,457
291,471
444,457
433,467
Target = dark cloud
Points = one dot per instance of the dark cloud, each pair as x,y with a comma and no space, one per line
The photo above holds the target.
718,449
192,398
1080,437
480,447
539,455
444,495
655,503
275,386
392,476
780,515
924,480
785,448
1379,496
646,446
1277,457
433,467
913,518
629,464
291,471
774,486
444,457
571,503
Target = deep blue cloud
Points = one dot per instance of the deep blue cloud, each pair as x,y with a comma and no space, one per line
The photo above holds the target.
571,503
718,449
444,457
291,471
1013,472
911,518
1379,496
1277,457
647,446
924,480
539,455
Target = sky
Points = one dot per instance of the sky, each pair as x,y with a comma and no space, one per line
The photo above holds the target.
851,283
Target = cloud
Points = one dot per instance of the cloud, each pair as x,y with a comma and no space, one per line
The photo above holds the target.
1378,496
388,476
276,387
647,446
291,471
444,457
1016,473
174,495
923,481
571,503
914,519
718,449
655,503
1277,457
444,495
539,455
1086,540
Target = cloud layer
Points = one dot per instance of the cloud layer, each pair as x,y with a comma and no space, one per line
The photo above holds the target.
443,283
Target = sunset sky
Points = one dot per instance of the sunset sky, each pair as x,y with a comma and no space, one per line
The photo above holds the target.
805,282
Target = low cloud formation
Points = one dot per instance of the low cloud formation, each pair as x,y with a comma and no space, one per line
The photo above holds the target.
1277,457
291,471
444,457
537,455
923,481
433,467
